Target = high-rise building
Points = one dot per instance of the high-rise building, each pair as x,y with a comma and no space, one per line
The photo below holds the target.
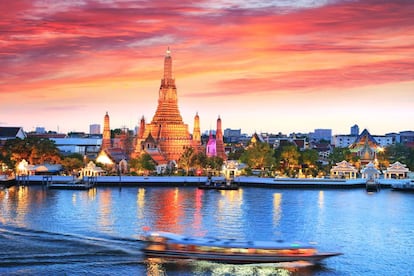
95,129
166,137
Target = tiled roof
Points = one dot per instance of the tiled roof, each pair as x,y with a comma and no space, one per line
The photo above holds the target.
7,132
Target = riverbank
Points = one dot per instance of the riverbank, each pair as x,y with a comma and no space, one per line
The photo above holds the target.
171,181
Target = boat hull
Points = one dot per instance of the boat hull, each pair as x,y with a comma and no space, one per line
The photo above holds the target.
237,258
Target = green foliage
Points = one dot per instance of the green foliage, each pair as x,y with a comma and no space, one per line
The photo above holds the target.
258,156
143,164
77,156
34,150
191,160
394,153
340,154
186,160
215,163
71,164
236,154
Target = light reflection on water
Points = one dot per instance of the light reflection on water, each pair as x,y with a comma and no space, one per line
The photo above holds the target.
374,231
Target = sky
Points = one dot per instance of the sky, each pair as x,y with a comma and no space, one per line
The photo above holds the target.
262,66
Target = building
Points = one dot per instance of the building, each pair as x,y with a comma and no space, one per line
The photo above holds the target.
167,136
219,141
232,135
106,134
320,134
406,137
10,133
95,129
215,145
343,141
211,146
112,151
355,130
396,171
86,146
344,170
366,147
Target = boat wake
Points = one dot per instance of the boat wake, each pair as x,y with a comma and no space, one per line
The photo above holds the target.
30,251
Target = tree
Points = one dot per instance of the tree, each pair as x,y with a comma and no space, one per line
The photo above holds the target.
236,153
290,158
258,156
143,164
309,159
186,160
71,164
34,150
340,154
215,163
199,160
398,152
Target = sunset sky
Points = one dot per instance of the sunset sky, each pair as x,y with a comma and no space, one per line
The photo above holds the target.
264,66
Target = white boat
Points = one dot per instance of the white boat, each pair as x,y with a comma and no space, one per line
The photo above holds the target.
172,246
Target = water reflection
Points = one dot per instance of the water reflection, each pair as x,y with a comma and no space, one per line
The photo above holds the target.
154,267
277,211
158,267
229,211
321,199
17,202
105,220
169,212
198,218
140,203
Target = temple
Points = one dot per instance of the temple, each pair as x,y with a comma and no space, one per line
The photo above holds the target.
366,147
215,145
166,137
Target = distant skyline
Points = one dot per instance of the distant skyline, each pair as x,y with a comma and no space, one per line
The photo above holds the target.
277,66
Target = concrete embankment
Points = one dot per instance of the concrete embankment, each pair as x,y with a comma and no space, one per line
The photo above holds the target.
172,181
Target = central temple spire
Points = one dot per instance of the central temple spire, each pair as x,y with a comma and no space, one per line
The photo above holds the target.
168,67
167,129
167,110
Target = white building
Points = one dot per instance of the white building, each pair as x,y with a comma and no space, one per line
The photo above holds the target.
84,146
344,141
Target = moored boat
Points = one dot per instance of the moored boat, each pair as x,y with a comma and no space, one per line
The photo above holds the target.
219,184
173,246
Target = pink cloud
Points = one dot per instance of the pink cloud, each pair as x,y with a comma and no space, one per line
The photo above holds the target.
346,77
41,45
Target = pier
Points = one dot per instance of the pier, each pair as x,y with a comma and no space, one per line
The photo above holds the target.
66,182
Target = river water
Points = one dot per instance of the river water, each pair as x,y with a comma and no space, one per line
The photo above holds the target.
98,232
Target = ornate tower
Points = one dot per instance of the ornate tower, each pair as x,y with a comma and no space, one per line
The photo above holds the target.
219,141
211,146
196,131
106,135
167,128
141,128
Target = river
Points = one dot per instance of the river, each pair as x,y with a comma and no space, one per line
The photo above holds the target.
98,232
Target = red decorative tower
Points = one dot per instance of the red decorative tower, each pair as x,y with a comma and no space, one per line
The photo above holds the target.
106,135
219,141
